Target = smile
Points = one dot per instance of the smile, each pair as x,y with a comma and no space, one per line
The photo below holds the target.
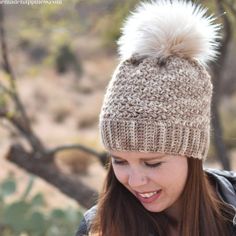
148,197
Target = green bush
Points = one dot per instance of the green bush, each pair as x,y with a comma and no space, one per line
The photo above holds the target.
28,216
66,59
109,25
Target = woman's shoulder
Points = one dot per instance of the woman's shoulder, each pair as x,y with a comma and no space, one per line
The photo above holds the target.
225,183
86,222
222,175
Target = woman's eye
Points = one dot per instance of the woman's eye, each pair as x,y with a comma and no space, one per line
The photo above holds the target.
119,162
153,165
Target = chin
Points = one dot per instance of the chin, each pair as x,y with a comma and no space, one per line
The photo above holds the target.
154,208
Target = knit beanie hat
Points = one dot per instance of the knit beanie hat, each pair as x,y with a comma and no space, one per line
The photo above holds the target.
159,97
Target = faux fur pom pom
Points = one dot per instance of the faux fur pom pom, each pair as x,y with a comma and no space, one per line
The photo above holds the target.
162,28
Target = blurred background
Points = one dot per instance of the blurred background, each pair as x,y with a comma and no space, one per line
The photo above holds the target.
56,61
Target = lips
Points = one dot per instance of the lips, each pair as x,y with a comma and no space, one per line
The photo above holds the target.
148,197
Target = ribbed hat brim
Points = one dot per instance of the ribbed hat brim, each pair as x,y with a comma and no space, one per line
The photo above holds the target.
133,135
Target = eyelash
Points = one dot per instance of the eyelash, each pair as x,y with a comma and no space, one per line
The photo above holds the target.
148,165
153,165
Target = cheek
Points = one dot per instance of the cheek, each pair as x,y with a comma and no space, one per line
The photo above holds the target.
175,182
121,174
171,178
176,186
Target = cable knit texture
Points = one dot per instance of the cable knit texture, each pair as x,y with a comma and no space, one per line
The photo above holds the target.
159,97
154,107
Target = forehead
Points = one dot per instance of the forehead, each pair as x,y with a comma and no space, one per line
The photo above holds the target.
137,155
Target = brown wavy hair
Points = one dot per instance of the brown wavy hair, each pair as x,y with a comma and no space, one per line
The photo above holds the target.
119,213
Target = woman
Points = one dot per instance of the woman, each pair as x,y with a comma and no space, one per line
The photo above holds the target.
155,123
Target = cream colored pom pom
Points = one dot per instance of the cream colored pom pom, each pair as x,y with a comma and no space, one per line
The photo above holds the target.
164,28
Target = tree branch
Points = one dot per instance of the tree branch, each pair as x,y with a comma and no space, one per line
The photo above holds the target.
5,90
72,187
41,160
8,70
231,6
26,129
217,69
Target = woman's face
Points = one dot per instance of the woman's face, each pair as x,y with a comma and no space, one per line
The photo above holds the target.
157,180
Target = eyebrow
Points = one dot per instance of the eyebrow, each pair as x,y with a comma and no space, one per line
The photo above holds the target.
145,158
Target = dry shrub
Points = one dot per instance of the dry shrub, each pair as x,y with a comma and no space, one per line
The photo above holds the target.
87,122
61,109
61,113
74,161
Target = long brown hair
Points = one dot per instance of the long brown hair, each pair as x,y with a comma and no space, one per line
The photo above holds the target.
119,213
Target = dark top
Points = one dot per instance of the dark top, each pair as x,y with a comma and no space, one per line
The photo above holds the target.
225,185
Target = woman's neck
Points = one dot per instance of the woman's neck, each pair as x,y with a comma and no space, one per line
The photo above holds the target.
174,212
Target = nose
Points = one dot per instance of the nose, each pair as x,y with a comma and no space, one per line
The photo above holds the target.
136,179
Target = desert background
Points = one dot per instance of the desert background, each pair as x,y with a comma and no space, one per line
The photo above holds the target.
63,56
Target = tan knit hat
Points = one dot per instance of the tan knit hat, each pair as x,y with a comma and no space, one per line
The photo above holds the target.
159,97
